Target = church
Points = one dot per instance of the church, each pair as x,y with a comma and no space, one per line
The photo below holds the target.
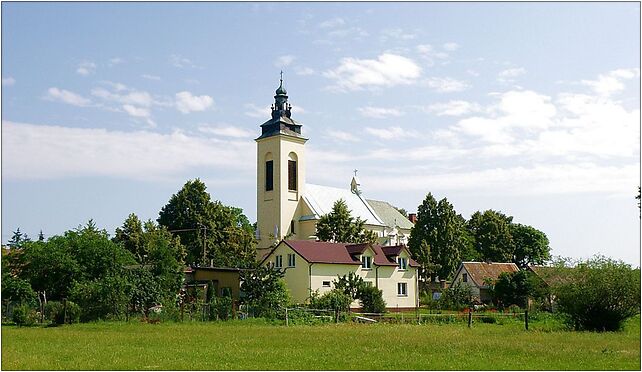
289,207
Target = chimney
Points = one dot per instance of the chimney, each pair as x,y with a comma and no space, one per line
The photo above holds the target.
412,217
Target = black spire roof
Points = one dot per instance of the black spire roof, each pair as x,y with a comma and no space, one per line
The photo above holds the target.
281,122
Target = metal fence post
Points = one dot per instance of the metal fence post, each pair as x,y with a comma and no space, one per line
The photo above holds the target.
470,317
526,319
286,317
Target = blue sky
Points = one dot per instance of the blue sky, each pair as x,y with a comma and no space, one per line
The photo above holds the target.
532,109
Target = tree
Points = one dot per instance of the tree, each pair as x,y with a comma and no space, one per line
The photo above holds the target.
350,284
513,289
223,232
41,236
130,237
456,297
491,234
371,300
598,294
265,290
530,245
438,238
402,211
18,239
340,226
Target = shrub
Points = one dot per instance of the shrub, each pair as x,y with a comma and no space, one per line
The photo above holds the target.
24,315
55,312
488,319
335,300
371,299
456,297
221,308
599,294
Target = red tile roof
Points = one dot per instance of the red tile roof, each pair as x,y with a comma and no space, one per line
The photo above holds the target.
478,271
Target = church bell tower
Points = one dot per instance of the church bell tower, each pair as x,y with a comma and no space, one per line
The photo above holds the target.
280,172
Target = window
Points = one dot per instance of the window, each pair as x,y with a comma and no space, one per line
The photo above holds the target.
403,263
464,278
278,261
226,292
291,261
366,262
326,283
292,175
402,289
269,175
292,227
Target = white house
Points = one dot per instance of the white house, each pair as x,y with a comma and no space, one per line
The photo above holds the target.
313,266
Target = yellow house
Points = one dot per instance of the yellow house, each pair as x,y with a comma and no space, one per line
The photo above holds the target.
312,266
288,207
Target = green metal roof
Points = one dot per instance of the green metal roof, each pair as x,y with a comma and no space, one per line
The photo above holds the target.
390,216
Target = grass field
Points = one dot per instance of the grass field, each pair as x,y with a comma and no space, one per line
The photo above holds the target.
251,345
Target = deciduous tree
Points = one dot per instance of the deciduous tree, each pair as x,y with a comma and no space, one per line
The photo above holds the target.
492,237
340,226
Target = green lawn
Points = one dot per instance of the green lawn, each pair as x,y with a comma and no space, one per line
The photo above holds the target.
251,345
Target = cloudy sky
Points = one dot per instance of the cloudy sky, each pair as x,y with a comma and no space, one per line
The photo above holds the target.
532,109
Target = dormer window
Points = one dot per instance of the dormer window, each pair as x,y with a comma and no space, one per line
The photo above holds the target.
366,262
402,263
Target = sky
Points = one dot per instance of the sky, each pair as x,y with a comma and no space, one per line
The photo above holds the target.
532,109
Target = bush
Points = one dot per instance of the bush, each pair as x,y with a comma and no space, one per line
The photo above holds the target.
456,297
335,300
221,308
599,294
24,315
55,312
371,299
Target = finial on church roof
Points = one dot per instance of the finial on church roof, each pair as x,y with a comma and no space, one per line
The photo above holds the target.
280,91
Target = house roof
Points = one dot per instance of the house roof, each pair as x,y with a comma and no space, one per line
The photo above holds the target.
321,199
478,271
389,214
341,253
552,275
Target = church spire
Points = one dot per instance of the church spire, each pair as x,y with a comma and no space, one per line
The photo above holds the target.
281,106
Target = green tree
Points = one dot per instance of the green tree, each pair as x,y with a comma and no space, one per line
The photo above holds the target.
491,232
438,238
223,232
350,284
18,239
340,226
265,291
456,297
598,294
530,245
513,289
371,300
130,237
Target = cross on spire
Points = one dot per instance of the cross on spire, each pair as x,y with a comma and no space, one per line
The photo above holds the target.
281,76
355,172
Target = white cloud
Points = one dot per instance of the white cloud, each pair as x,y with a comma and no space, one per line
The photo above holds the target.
53,152
65,96
379,112
612,82
180,61
255,111
226,131
453,108
509,75
341,135
305,71
150,77
385,71
396,34
186,102
284,61
132,97
86,68
447,85
116,61
391,133
332,23
138,112
451,47
8,81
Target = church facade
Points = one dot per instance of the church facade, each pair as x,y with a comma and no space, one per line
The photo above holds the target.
289,207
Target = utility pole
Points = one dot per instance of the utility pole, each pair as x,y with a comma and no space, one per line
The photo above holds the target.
204,244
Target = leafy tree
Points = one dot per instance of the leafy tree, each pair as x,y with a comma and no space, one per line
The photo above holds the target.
265,290
130,236
456,297
350,284
335,300
371,300
530,245
18,239
598,294
224,231
438,238
491,232
513,289
340,226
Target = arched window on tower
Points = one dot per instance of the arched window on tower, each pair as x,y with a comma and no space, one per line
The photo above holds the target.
292,171
269,172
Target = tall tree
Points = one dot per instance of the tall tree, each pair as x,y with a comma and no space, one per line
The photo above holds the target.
17,239
530,245
223,232
438,238
340,226
492,235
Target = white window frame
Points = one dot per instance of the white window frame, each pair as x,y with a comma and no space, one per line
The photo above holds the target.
402,289
366,262
402,263
278,261
291,260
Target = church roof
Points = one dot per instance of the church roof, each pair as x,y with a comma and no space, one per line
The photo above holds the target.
321,199
389,214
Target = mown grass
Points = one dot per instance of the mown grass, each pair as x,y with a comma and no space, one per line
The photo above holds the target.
252,345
